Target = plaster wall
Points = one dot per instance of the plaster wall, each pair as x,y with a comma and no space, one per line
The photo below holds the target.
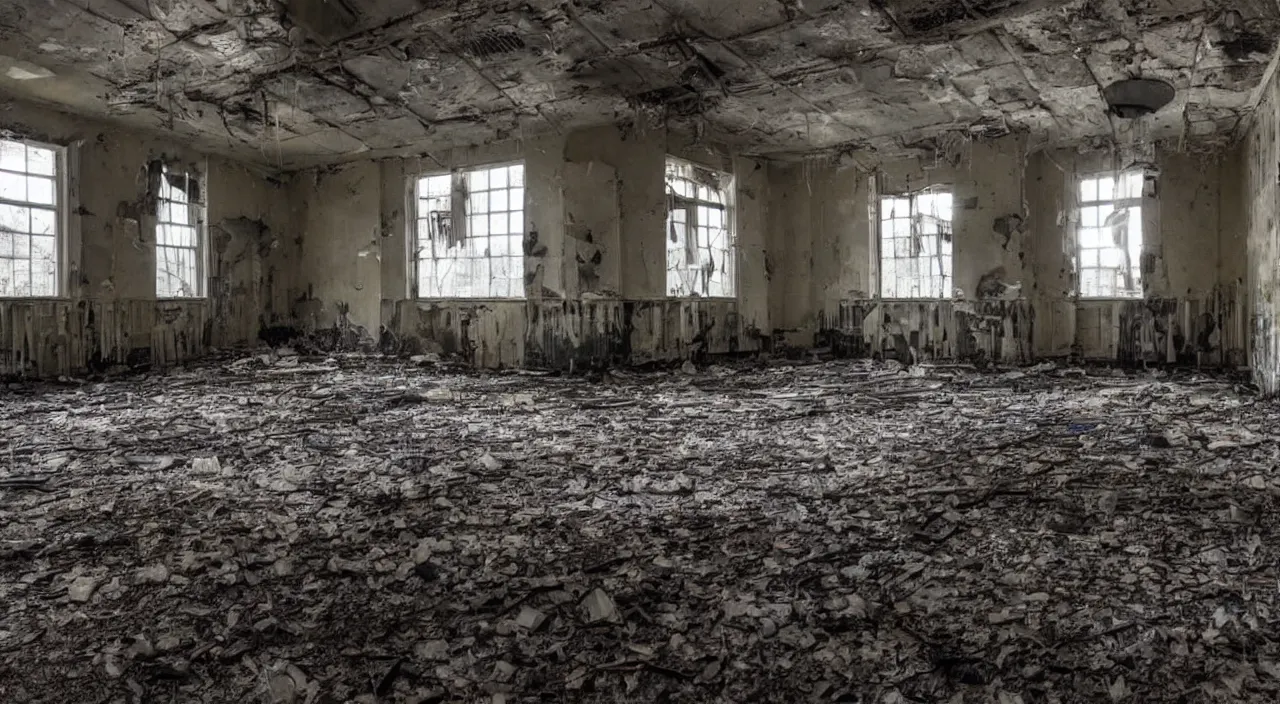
595,256
1261,188
1013,223
108,314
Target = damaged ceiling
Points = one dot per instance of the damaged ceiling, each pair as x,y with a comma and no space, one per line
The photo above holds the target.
304,82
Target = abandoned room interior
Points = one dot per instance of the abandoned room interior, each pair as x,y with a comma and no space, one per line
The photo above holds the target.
639,350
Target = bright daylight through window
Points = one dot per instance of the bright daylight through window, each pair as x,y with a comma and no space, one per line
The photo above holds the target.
700,243
180,242
30,226
479,253
916,245
1109,236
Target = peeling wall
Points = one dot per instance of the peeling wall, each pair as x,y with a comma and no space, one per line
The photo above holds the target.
109,315
595,257
930,330
340,275
566,333
1261,186
1013,245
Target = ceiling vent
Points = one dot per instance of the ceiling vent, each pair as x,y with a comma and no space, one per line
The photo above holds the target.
327,21
1136,97
490,43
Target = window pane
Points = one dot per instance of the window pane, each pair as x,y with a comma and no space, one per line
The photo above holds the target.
1108,267
1092,216
468,269
434,186
1091,237
180,213
40,190
1089,190
515,224
1132,186
498,246
41,161
15,218
517,175
44,253
13,156
479,226
1106,188
13,186
179,250
916,249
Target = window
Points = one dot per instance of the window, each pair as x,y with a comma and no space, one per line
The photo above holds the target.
916,245
180,264
700,244
479,253
1109,236
30,222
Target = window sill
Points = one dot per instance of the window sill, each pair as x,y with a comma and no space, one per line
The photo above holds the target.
1108,299
182,299
43,299
521,299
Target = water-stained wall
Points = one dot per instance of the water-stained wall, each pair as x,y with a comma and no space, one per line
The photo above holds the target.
108,315
1260,184
1014,279
594,257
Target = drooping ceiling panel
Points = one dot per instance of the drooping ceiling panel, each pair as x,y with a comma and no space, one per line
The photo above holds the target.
300,82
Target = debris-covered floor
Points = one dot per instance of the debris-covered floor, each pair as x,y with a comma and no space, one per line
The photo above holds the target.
350,529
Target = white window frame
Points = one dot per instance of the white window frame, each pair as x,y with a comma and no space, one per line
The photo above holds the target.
914,229
689,258
1091,216
425,240
164,218
60,209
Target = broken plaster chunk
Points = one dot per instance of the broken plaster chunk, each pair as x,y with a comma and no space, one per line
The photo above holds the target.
599,607
531,619
82,589
206,465
503,671
435,650
154,574
168,644
142,648
576,679
490,462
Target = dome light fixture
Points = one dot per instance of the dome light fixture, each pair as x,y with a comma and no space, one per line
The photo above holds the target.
1135,97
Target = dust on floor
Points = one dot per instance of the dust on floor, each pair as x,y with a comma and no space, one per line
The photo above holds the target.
347,529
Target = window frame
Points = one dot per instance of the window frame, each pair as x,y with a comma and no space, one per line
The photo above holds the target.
691,205
62,214
199,173
947,286
459,214
1136,202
